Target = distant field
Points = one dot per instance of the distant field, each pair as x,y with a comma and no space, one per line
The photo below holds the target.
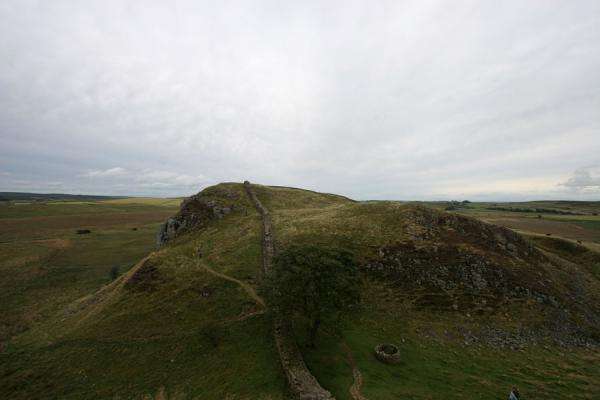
45,264
570,220
174,202
79,208
29,197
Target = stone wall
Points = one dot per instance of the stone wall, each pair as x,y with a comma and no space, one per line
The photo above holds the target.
303,384
267,237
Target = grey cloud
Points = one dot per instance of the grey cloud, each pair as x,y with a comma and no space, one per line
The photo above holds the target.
584,178
404,100
110,172
146,180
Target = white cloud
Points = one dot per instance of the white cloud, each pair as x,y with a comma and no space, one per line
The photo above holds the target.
107,173
167,179
170,177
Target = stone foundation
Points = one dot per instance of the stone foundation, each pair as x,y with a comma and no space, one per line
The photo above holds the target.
387,353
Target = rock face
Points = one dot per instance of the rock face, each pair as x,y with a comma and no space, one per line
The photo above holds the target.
451,268
168,231
194,213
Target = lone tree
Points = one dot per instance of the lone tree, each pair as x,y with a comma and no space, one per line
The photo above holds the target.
317,284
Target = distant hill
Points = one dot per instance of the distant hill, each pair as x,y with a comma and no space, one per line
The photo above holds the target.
22,196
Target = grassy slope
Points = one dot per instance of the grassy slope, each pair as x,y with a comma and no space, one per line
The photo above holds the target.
436,362
162,335
44,264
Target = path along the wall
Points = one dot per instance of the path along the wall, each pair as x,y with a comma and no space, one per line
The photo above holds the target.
303,384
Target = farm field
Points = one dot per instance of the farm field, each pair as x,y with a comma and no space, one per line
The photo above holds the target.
45,264
568,220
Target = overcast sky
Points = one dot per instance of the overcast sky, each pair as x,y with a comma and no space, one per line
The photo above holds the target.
371,99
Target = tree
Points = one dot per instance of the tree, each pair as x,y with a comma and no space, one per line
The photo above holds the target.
314,283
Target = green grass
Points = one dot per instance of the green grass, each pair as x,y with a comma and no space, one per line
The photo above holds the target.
39,277
570,251
280,198
433,366
436,364
44,264
66,208
168,327
162,336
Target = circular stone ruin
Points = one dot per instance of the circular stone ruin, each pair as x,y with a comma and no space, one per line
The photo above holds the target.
387,353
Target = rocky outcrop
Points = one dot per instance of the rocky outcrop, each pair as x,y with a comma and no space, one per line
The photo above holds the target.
195,212
167,231
449,227
303,385
452,269
463,263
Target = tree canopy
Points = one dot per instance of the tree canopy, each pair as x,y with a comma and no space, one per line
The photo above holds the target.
315,283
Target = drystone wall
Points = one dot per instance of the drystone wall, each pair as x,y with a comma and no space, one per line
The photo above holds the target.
267,237
303,384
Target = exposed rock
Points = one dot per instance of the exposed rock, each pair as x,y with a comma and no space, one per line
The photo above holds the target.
195,212
168,231
451,268
466,263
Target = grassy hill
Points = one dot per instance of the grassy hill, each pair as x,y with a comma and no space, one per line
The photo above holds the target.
474,308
